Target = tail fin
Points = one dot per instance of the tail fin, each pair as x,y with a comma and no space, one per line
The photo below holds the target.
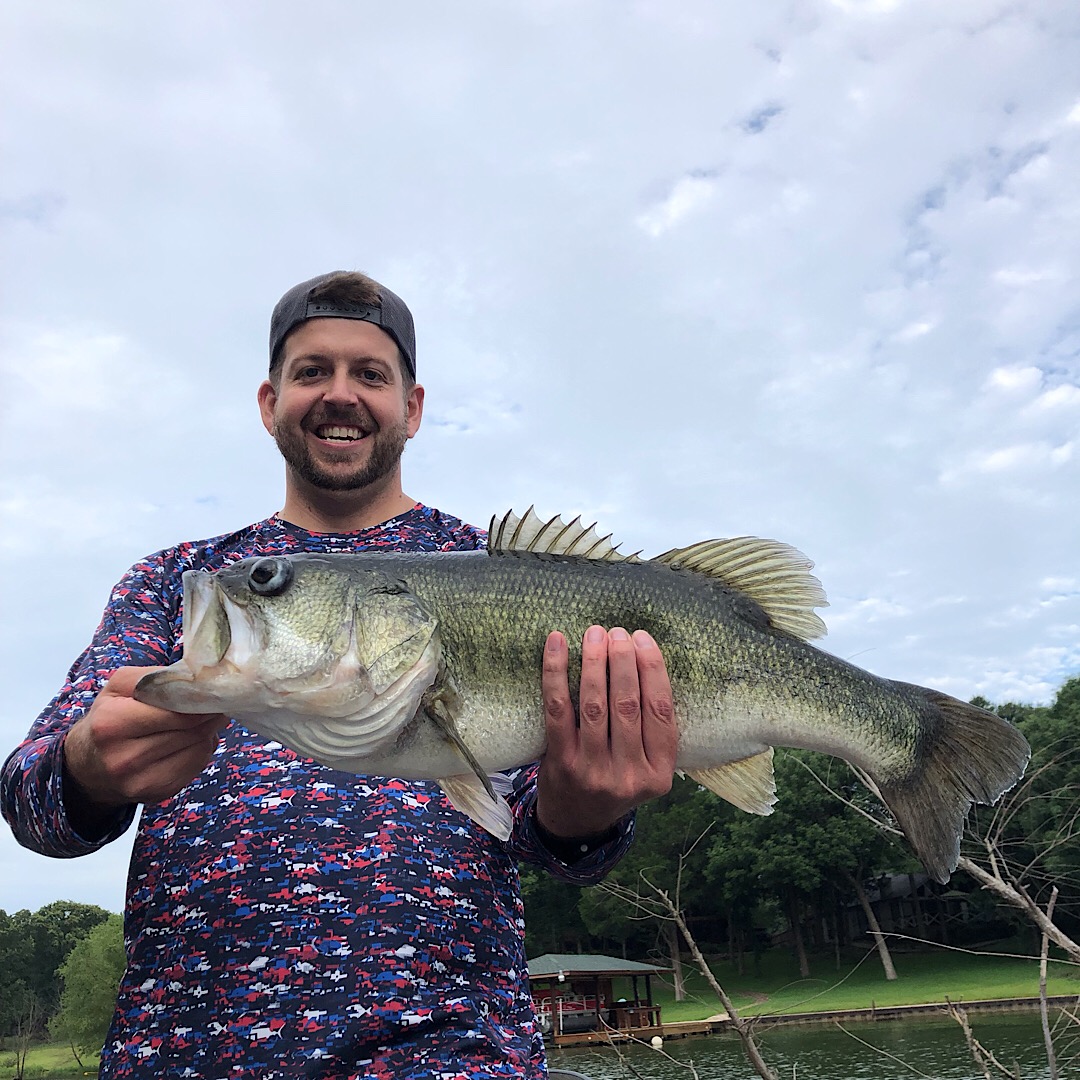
969,756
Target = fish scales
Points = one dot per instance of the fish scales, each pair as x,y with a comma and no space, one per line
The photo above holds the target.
427,666
723,660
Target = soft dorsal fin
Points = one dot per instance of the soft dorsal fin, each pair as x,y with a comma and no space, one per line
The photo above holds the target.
773,574
515,532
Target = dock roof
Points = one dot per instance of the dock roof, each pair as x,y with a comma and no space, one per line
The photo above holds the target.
550,964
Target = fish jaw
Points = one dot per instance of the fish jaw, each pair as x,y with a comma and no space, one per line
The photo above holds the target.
208,629
218,645
176,689
297,718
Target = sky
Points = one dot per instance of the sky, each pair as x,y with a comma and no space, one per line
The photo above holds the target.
807,270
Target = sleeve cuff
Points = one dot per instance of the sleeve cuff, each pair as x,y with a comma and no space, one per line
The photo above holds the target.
80,831
566,860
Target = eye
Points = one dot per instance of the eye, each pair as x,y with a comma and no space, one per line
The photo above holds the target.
269,577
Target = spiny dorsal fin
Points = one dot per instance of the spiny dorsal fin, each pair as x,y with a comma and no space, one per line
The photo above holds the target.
775,575
554,537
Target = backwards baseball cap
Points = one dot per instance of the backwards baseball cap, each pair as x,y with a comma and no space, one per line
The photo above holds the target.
390,314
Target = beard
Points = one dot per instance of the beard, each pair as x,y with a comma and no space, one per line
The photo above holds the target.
386,447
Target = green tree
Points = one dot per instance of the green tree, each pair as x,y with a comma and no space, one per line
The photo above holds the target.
552,923
1028,846
1048,818
55,930
16,964
668,855
90,974
815,845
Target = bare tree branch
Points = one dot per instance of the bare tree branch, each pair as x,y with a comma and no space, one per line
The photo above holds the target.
1016,895
983,1058
1043,1012
742,1028
970,952
884,1053
658,904
688,1065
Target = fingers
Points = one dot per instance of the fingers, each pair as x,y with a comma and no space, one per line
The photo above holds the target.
559,716
593,724
122,681
124,751
621,750
164,774
642,716
625,697
659,734
115,700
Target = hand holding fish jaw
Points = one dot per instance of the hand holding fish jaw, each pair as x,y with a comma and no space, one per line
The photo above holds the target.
124,752
619,751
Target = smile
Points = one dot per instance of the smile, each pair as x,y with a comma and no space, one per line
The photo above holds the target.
337,433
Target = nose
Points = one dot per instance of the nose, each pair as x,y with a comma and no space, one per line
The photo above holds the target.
340,390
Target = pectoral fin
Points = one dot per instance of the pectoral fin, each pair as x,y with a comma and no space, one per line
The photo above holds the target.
748,784
435,705
474,799
471,793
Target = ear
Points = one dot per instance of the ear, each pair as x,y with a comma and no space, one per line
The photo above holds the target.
414,409
267,401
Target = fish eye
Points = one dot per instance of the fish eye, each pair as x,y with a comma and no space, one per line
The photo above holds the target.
269,577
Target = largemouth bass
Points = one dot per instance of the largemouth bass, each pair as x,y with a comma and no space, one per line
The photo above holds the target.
427,666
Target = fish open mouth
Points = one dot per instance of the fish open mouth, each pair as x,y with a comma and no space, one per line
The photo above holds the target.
215,628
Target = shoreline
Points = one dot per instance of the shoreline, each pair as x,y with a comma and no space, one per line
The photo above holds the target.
874,1014
899,1012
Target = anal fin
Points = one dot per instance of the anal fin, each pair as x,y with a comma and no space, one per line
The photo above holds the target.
748,784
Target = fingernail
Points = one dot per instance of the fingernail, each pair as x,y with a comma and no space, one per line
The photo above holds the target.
594,634
643,640
619,634
554,642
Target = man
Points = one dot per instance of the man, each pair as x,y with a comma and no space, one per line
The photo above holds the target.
284,919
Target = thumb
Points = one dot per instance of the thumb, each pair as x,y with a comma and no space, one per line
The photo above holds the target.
122,681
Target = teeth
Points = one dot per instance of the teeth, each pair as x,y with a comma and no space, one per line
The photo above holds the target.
340,433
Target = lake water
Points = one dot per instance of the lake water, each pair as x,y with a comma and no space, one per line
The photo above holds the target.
898,1050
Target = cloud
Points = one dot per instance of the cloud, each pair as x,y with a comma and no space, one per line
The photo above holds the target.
802,272
1022,457
688,195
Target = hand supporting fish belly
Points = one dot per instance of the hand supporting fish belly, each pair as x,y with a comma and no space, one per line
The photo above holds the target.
427,666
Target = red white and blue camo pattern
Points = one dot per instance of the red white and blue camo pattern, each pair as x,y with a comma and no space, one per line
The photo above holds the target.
284,919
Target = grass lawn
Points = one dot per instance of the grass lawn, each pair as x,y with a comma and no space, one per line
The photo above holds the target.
860,984
48,1061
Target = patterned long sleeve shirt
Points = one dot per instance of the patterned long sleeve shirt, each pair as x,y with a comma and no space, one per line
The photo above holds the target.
284,919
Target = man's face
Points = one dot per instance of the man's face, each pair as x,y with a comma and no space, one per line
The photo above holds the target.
340,414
